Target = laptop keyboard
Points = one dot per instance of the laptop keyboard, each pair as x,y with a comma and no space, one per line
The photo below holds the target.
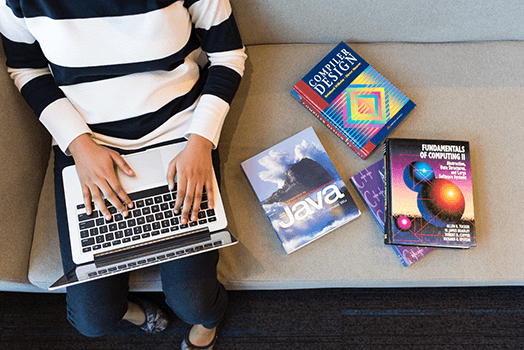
152,216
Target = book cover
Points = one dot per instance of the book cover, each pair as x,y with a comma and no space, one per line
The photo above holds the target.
300,190
429,193
352,99
370,186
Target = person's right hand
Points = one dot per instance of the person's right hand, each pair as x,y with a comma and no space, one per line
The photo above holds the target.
95,166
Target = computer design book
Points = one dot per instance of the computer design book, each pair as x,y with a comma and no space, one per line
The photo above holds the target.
352,99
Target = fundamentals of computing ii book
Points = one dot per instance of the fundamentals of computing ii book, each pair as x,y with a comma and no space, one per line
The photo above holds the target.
352,99
300,190
429,193
370,185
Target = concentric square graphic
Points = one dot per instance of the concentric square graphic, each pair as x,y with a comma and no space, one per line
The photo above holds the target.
365,104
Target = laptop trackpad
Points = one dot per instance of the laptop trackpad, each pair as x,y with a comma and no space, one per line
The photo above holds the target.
148,168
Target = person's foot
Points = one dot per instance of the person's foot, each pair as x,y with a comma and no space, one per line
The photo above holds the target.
145,314
200,337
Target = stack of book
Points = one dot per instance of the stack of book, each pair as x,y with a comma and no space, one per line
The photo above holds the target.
420,194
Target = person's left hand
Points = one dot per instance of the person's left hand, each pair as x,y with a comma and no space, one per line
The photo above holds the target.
194,170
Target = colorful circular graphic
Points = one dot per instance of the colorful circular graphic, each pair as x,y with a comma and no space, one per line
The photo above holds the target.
416,174
403,223
441,202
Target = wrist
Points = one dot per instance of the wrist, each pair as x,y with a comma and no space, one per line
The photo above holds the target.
200,141
80,143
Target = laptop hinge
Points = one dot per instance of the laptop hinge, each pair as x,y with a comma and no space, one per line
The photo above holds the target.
152,247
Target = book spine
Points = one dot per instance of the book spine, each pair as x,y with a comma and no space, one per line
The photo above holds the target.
304,99
387,192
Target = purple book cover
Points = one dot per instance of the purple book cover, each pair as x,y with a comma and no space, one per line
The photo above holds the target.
370,185
429,193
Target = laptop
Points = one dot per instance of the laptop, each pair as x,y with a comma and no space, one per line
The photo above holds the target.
152,234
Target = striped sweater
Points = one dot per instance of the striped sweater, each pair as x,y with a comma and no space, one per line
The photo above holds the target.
127,72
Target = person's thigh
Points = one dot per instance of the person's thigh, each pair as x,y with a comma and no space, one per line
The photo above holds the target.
192,289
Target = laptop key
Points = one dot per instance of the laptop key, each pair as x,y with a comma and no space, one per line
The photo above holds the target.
84,217
87,224
87,242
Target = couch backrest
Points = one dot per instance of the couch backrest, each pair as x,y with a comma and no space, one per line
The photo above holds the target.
329,21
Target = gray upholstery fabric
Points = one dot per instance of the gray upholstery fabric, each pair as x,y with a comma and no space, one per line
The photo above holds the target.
460,61
330,21
471,91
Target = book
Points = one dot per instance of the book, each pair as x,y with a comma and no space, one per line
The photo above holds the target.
300,190
369,184
429,193
352,99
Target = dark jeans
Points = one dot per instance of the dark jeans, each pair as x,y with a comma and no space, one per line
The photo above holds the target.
190,284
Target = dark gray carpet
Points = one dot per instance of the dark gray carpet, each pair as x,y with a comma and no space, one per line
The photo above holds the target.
432,318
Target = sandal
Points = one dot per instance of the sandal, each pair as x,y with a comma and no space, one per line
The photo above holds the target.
186,344
156,319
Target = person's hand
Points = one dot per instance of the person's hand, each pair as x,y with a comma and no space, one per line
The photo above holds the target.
95,166
194,170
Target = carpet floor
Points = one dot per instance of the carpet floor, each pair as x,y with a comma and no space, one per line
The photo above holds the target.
407,318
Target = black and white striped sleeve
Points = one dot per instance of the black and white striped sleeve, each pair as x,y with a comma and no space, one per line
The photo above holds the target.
29,69
215,24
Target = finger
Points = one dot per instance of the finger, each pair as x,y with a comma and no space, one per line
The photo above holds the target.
86,193
181,193
115,184
99,202
186,208
119,198
210,195
196,202
122,164
170,177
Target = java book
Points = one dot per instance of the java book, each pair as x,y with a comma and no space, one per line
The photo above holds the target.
352,99
429,193
300,190
370,186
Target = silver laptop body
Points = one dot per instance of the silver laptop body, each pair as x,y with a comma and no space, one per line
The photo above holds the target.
150,235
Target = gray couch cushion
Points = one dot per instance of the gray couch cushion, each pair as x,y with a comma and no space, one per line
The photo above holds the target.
24,146
313,21
471,91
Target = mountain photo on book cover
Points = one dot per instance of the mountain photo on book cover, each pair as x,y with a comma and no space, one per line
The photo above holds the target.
300,190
